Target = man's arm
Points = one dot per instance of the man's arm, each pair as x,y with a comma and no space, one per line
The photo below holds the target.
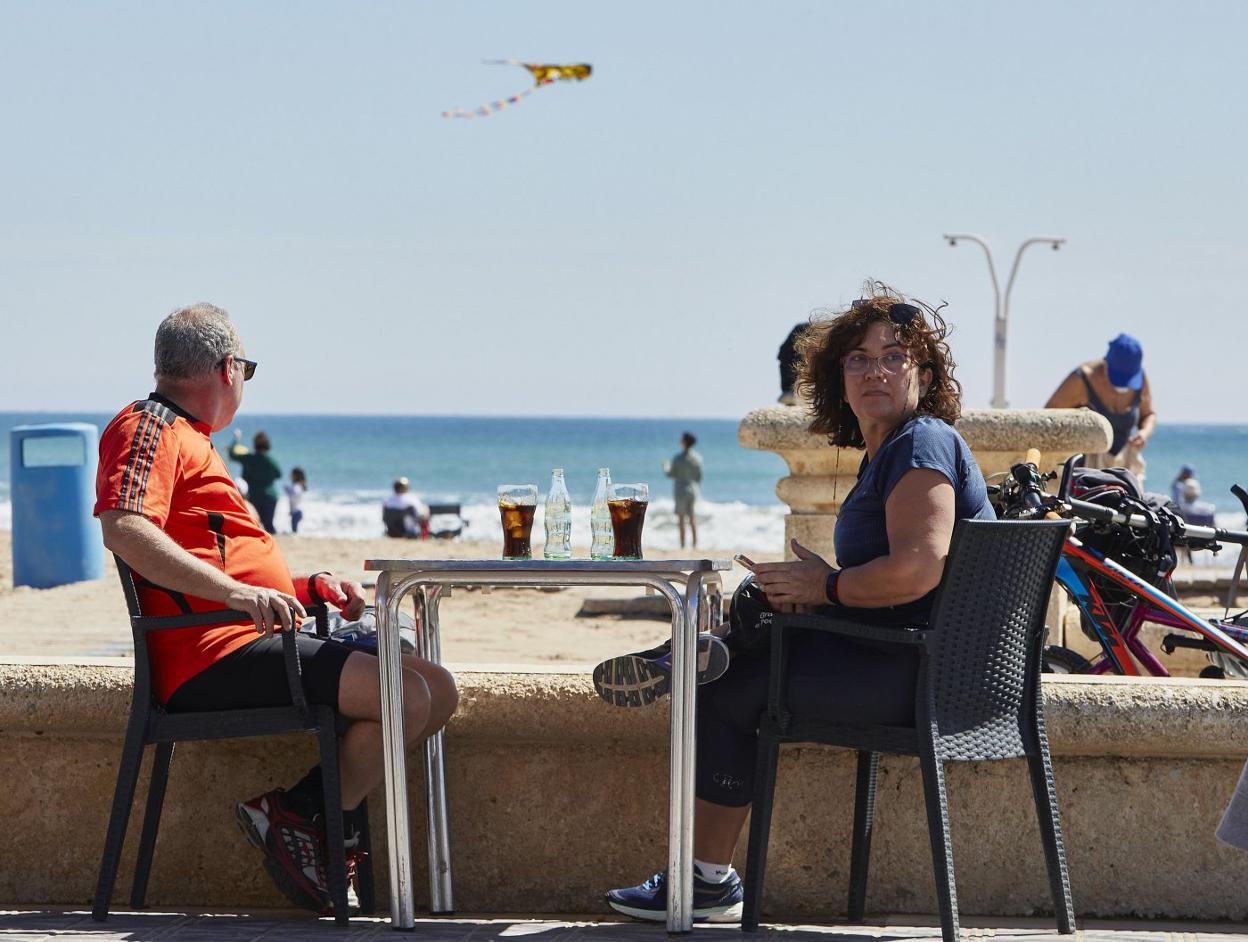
148,549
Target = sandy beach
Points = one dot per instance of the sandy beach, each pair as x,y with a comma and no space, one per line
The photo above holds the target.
524,626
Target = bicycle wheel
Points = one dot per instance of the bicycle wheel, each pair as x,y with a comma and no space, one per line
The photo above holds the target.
1230,665
1059,660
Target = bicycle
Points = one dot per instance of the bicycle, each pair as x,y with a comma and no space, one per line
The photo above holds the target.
1116,567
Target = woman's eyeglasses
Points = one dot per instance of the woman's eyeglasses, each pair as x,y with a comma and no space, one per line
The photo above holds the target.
249,366
899,314
859,364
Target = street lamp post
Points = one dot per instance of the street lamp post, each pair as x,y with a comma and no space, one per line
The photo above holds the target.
1001,306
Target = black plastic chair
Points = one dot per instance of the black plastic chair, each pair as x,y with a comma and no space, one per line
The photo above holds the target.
151,724
977,698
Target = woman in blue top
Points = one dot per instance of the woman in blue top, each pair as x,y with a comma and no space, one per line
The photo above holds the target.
879,377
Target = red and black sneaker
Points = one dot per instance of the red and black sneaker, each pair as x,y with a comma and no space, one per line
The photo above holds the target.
293,848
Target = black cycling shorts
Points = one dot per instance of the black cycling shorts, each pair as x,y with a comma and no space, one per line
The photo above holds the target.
255,676
830,677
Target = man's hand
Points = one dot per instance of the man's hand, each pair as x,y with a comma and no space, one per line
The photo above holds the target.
343,594
1139,440
801,582
268,608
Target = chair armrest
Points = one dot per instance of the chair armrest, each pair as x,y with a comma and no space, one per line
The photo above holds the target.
850,629
224,616
290,650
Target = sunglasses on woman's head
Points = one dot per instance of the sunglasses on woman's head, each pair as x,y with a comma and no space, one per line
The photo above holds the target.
900,314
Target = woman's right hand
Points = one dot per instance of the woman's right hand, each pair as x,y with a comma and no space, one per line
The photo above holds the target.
804,581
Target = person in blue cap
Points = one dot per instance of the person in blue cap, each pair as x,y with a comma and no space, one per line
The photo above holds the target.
1115,387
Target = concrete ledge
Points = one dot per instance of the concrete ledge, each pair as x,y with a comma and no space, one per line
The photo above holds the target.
555,796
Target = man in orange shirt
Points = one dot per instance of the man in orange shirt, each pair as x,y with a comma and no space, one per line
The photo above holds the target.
169,507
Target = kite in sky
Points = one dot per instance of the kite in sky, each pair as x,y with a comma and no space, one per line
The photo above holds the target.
543,75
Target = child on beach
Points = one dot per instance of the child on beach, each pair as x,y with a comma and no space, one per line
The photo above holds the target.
294,495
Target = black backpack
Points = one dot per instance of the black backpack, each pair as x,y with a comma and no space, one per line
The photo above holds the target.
1148,553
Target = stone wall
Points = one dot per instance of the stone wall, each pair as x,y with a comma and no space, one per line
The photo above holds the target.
554,796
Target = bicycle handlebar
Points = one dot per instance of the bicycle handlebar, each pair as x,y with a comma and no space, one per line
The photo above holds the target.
1190,532
1031,491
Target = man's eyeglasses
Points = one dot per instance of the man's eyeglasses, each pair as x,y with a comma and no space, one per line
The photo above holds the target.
859,364
249,366
899,314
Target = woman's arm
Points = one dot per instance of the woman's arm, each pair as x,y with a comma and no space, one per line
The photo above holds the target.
919,515
1148,418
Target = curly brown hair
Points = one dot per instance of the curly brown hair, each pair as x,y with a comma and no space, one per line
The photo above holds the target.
832,334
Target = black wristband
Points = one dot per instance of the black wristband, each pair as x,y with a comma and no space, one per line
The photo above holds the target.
830,589
313,595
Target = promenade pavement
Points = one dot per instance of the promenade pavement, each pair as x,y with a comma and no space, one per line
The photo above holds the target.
57,925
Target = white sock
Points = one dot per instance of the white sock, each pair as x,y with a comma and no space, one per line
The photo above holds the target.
712,872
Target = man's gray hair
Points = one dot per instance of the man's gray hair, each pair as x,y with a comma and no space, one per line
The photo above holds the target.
192,341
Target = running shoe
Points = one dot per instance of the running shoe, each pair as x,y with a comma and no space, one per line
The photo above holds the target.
293,846
712,902
634,680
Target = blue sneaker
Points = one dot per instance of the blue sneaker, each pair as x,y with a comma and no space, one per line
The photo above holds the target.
712,902
634,680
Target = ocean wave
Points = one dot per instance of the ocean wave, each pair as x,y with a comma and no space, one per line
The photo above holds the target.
721,526
357,515
731,525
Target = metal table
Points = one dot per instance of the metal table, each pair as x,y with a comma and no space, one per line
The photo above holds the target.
691,586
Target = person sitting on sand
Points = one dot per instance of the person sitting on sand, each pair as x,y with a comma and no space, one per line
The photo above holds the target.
403,513
878,376
169,508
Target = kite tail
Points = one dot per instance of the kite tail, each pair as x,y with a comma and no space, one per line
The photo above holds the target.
488,109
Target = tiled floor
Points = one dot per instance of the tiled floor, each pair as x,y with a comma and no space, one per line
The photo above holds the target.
53,925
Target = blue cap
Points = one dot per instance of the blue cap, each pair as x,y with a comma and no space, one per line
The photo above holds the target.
1124,361
1187,471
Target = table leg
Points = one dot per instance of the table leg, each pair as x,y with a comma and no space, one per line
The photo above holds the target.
685,619
390,669
441,901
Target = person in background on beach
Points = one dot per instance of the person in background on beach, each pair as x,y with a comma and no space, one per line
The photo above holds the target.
261,474
295,489
1176,486
878,375
1115,387
168,507
403,513
788,358
685,470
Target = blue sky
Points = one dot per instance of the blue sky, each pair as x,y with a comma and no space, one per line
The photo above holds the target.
637,244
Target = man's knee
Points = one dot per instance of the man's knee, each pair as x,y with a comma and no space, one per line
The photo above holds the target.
443,694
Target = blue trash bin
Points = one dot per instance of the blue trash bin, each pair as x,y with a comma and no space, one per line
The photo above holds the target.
52,487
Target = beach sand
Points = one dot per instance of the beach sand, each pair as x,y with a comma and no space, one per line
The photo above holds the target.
521,626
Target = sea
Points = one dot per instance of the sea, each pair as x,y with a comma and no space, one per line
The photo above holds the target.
352,460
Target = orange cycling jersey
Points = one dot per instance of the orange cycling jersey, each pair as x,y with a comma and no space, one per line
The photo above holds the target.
159,461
